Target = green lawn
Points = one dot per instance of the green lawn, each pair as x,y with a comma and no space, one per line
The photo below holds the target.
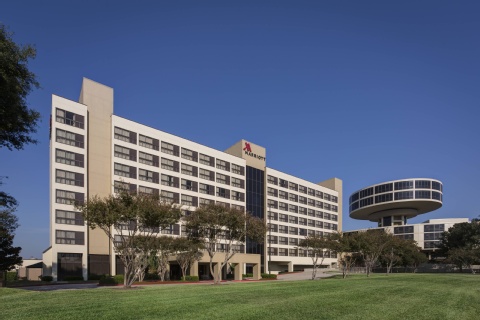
399,296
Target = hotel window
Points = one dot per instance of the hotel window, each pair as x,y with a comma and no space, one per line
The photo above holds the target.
273,216
206,201
125,135
238,169
147,190
119,186
311,223
400,196
380,189
302,200
171,165
283,183
69,158
422,194
189,200
366,192
171,197
69,237
148,176
172,229
319,204
148,142
272,192
283,206
334,208
272,204
283,194
293,231
238,183
272,227
320,195
319,224
293,186
334,199
148,159
386,197
293,242
223,179
70,118
236,206
311,213
223,193
223,204
189,185
207,160
436,185
327,206
283,252
302,210
170,148
68,217
318,214
283,240
189,170
292,219
207,189
206,174
311,232
273,251
311,192
125,171
436,196
283,217
272,239
239,196
282,229
223,165
272,180
68,197
70,138
125,153
333,217
293,208
302,189
402,185
302,221
293,197
302,232
311,202
170,181
70,178
189,155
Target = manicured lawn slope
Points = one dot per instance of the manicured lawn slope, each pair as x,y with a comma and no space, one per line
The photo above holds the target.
400,296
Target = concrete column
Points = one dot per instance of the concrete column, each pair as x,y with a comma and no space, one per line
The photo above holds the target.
256,272
238,272
290,266
194,269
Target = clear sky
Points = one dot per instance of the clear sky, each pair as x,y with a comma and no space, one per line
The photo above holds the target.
366,91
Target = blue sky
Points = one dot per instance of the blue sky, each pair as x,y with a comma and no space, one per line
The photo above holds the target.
366,91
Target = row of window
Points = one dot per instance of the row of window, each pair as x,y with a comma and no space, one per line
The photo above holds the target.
298,253
401,195
296,219
69,237
70,118
299,188
400,185
171,165
279,228
300,199
174,150
274,204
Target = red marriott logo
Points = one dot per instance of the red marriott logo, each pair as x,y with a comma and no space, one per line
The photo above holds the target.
248,151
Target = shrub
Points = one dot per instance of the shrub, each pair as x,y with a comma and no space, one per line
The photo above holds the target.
152,276
12,276
190,278
269,276
74,278
94,276
119,278
107,280
247,275
46,278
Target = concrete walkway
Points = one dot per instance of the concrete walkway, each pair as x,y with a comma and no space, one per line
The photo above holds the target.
307,275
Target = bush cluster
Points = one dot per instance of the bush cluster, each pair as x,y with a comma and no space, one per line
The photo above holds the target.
46,278
119,278
269,276
190,278
12,276
74,278
247,275
152,276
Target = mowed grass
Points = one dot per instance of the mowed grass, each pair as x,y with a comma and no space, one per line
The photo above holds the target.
399,296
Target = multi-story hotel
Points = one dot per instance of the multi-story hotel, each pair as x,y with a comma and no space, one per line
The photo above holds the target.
93,152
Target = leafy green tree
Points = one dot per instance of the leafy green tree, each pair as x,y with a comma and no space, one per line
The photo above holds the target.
461,244
371,245
345,244
223,229
9,255
17,122
131,221
187,252
164,247
316,246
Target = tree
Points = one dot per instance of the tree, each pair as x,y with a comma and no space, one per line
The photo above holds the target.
461,244
371,244
9,255
345,246
17,122
316,246
223,229
188,252
164,247
130,220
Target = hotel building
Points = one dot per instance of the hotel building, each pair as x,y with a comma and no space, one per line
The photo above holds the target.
93,152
